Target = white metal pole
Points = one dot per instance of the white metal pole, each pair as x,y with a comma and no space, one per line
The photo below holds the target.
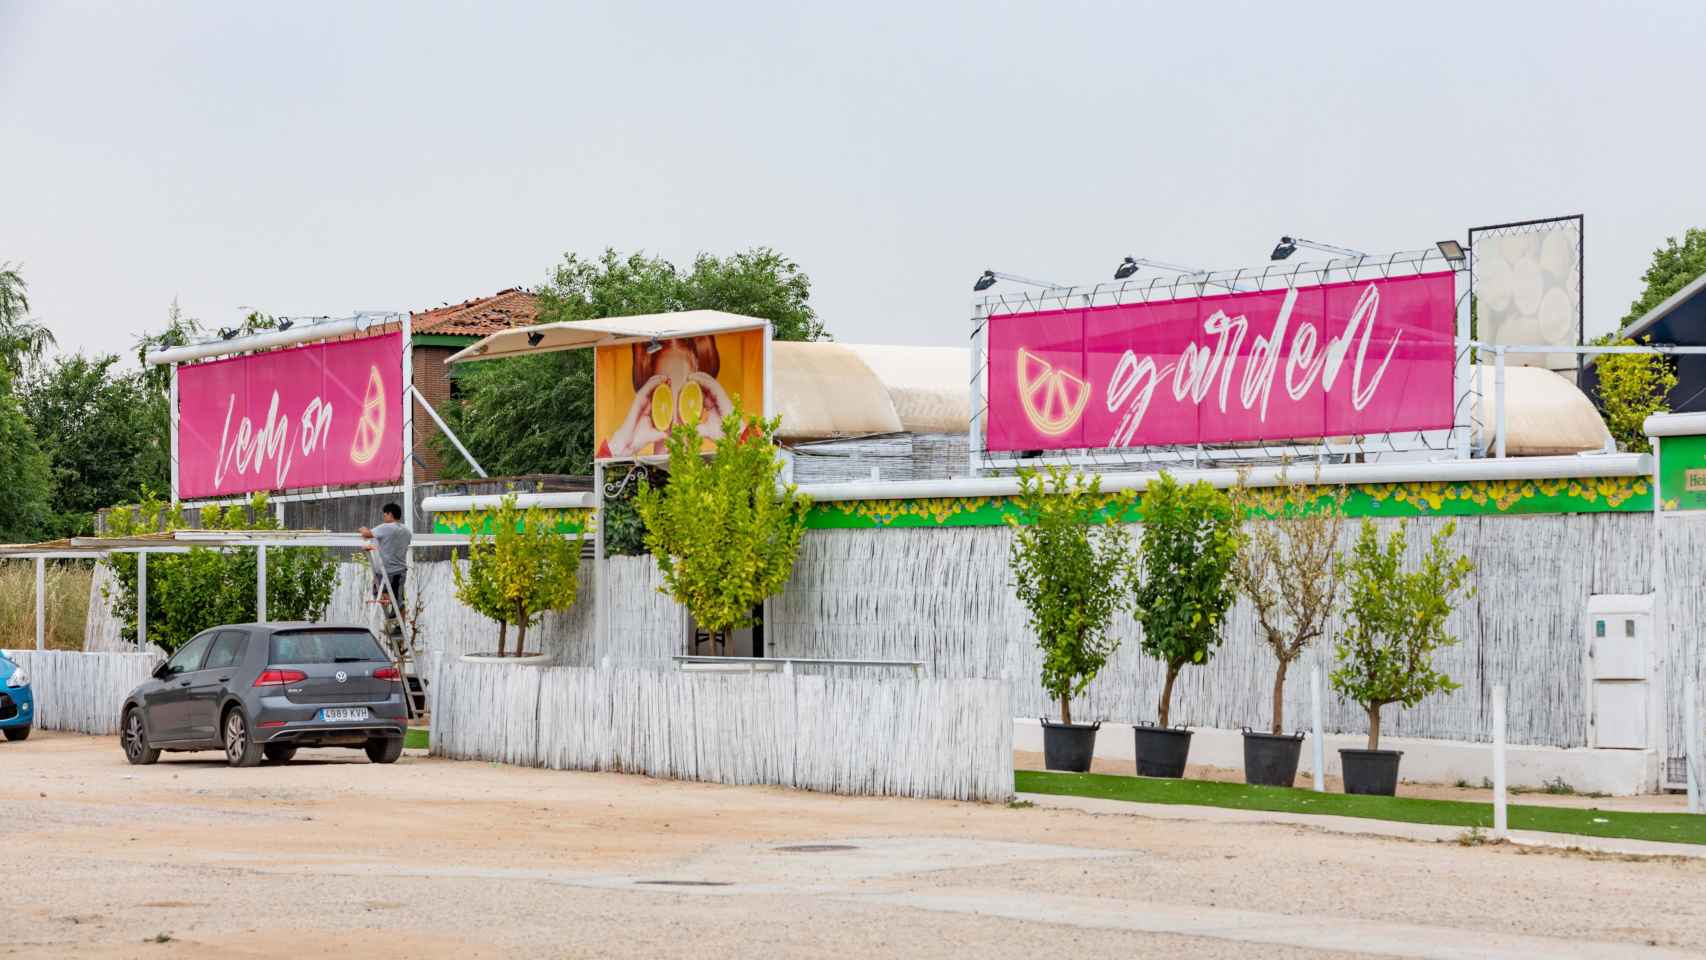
1691,739
1499,400
974,440
172,453
1320,748
600,606
261,583
445,429
142,601
1499,822
1460,379
41,603
408,455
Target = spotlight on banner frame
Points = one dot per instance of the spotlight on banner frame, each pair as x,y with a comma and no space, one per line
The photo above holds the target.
1288,245
988,278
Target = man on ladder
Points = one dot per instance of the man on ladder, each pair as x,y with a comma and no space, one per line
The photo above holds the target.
389,554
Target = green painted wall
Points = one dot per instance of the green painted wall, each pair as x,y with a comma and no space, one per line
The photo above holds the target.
1476,498
1680,457
569,520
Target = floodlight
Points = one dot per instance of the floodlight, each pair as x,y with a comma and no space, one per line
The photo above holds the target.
985,280
1127,267
653,347
1452,251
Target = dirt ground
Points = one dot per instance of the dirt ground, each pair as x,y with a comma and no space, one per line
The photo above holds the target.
331,856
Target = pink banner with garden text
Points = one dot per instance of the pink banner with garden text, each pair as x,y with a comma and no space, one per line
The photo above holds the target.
325,414
1335,360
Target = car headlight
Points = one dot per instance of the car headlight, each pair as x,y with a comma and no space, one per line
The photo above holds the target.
18,679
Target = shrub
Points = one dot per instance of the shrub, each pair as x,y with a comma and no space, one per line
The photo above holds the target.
518,569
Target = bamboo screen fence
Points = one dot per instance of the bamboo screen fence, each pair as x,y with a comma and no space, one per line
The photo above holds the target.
82,692
943,596
938,738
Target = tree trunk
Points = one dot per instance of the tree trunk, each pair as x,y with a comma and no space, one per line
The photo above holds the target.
1374,727
1167,693
1065,709
1279,697
503,636
521,632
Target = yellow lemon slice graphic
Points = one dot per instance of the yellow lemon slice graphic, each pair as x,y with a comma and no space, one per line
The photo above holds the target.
370,429
663,406
1053,399
691,403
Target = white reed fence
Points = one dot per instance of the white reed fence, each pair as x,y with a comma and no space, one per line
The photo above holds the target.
890,737
82,692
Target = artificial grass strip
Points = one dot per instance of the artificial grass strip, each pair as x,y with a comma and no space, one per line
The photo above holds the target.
1580,821
417,738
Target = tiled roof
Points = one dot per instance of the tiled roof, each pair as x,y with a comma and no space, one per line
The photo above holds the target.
480,316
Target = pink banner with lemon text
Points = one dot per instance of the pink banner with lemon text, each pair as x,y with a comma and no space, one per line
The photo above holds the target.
1334,360
326,414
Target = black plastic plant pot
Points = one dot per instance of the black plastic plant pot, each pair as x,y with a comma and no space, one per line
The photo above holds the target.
1270,759
1372,772
1161,751
1069,747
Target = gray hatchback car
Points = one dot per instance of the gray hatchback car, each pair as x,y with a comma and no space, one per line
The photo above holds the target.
262,690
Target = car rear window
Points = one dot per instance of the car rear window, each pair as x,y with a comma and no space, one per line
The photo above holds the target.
324,646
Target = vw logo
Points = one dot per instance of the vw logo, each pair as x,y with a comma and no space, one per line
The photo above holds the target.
342,676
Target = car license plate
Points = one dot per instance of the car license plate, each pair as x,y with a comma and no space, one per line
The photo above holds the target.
343,714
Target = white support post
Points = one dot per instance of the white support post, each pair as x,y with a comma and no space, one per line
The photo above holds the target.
261,583
1499,820
974,441
1499,400
600,595
41,603
1464,421
172,452
408,444
1319,747
1691,740
444,428
142,601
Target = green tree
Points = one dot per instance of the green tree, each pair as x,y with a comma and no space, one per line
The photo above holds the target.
22,341
1181,585
724,532
534,414
205,587
1070,558
519,568
101,434
26,479
1675,265
1396,621
1287,566
179,331
1632,387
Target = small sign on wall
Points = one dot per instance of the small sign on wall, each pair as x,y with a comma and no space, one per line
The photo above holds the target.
1695,481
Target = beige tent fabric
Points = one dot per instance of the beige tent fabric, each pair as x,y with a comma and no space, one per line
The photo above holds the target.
825,390
1545,414
926,384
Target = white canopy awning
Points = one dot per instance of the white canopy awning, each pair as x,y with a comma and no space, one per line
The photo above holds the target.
580,334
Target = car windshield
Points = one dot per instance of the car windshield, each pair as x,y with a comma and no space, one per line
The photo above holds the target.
324,646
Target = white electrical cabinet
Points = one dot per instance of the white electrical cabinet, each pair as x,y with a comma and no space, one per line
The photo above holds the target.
1622,672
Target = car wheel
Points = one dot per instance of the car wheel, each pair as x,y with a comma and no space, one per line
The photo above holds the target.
279,752
134,739
241,750
385,749
17,733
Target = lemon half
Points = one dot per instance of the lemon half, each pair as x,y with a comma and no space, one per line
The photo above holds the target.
692,401
663,406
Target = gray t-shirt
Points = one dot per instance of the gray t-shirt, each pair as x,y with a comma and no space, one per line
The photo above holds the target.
393,541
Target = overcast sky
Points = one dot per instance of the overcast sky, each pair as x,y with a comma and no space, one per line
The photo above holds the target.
314,158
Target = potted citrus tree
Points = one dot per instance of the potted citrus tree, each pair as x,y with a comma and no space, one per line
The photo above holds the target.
1287,567
1069,558
1395,621
1182,591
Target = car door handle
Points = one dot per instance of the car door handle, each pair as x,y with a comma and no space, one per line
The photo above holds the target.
183,683
224,679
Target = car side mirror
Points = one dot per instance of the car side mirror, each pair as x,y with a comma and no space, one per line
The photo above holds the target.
160,671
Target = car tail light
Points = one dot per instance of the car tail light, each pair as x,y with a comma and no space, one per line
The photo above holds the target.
273,723
278,678
387,673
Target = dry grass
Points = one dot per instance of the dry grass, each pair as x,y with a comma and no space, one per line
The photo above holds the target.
67,604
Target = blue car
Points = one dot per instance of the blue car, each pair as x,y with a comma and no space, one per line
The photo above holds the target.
17,704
